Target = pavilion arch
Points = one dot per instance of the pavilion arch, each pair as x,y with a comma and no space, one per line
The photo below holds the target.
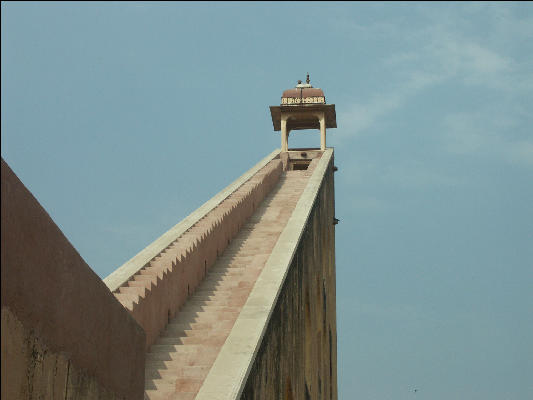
302,120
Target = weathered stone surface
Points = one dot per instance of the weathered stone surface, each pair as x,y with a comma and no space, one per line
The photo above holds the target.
64,335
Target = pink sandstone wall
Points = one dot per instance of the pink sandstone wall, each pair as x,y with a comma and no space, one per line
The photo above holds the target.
156,292
64,335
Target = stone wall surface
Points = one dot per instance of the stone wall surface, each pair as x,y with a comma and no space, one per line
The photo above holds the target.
297,357
64,335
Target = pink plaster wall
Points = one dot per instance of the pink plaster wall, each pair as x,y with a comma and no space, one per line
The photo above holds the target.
51,296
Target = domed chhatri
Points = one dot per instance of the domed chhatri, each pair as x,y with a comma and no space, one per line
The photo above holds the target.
303,107
303,93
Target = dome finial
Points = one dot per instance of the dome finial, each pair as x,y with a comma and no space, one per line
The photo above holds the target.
307,80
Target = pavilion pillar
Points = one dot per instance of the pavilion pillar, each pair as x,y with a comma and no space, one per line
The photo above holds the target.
322,119
284,134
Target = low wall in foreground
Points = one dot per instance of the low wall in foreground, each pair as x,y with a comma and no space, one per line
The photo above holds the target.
64,335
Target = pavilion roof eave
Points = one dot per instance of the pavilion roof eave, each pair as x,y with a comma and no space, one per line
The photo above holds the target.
329,109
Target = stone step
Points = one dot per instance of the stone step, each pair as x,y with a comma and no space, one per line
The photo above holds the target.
195,337
176,371
159,394
179,385
231,302
173,337
179,350
190,385
127,299
205,316
226,287
247,250
159,385
142,276
174,326
206,356
222,299
245,277
229,270
252,241
138,291
222,270
205,307
215,340
220,290
150,272
147,284
231,274
235,256
222,295
240,262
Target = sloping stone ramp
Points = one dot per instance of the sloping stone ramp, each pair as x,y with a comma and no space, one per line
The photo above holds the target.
180,359
155,290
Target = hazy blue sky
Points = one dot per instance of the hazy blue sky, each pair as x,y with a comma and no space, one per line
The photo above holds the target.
123,118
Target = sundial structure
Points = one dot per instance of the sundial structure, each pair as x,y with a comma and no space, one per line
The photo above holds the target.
236,301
